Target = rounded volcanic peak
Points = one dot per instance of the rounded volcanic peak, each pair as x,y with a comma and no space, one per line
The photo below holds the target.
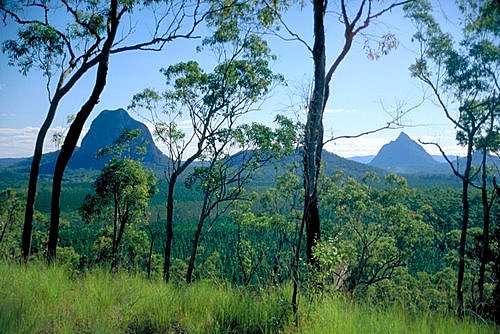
104,131
107,127
402,152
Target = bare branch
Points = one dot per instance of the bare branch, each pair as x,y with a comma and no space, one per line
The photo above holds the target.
455,170
295,36
394,5
389,125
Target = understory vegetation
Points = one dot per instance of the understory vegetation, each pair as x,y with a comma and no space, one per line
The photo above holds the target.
54,299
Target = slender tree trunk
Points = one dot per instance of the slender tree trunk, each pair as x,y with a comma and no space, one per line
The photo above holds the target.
33,180
150,255
194,249
463,235
74,133
119,237
8,222
196,240
295,273
486,229
115,228
313,135
276,264
168,227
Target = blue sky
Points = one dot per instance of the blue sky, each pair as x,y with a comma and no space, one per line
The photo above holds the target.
362,91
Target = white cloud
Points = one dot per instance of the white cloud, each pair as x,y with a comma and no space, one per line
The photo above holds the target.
20,142
357,146
338,110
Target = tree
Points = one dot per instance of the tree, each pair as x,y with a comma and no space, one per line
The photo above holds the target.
122,191
365,13
225,175
373,229
487,144
66,48
211,102
467,76
10,218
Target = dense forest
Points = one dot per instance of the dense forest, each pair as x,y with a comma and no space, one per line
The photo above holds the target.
238,226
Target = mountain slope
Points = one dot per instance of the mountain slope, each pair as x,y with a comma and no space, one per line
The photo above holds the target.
104,131
406,156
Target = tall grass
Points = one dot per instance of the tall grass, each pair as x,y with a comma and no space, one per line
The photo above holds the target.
335,314
40,299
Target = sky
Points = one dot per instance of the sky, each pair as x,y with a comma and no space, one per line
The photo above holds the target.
364,93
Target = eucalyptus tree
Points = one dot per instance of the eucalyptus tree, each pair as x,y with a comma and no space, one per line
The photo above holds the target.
488,144
211,103
231,159
463,77
122,191
374,230
65,40
355,17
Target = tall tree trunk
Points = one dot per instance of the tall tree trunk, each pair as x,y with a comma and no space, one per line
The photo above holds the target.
115,228
76,129
168,227
295,273
486,229
33,180
196,240
8,222
150,255
119,237
463,235
313,135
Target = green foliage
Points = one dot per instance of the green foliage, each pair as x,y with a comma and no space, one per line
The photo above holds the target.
37,44
375,230
122,193
11,215
465,70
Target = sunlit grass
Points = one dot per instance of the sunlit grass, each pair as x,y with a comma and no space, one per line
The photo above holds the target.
40,299
336,314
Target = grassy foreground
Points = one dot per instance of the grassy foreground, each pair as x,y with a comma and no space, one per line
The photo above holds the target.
37,299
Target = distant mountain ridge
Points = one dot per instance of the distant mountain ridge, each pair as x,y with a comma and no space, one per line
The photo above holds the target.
109,124
406,156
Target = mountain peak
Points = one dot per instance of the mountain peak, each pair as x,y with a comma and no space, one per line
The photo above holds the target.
403,137
117,114
404,155
104,131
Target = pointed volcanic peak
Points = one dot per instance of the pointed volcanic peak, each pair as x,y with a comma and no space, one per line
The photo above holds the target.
104,131
406,156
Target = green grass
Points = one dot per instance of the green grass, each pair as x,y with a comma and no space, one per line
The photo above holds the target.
37,299
337,315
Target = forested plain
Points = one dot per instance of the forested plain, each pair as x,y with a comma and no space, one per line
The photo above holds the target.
245,229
